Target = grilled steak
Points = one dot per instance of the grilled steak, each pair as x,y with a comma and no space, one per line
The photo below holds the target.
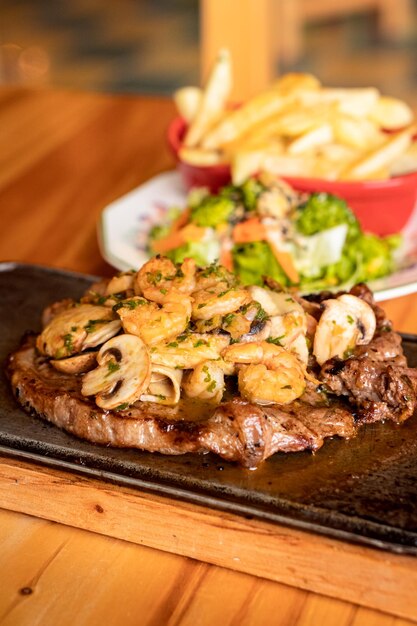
371,383
236,430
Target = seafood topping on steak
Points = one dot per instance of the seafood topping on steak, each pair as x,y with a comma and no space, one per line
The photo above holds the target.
178,359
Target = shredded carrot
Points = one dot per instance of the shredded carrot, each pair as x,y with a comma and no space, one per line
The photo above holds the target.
192,232
226,258
169,242
249,230
177,238
286,262
181,220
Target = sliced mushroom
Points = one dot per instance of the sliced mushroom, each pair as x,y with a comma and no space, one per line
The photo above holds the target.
100,332
76,329
123,373
78,364
347,321
164,386
259,331
55,309
288,320
120,283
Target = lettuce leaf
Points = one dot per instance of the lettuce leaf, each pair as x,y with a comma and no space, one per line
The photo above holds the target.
252,261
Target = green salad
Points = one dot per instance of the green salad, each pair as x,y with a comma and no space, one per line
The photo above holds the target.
265,228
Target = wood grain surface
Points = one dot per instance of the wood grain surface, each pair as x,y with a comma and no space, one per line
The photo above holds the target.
63,157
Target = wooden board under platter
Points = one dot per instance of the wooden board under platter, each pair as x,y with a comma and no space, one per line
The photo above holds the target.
342,522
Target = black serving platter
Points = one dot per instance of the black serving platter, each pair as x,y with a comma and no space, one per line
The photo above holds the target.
363,490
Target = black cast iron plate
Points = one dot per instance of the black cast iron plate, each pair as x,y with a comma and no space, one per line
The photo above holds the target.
363,490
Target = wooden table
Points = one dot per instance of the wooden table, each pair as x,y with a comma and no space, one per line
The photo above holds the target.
63,157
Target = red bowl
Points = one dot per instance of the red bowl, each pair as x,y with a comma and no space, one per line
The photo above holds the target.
381,206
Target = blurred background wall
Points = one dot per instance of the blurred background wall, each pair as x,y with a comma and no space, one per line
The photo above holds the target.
153,46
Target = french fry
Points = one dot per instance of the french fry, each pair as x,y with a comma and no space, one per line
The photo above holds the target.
297,119
294,83
391,113
298,128
361,133
198,156
245,164
239,121
357,102
405,163
187,101
317,136
213,100
260,135
331,159
381,157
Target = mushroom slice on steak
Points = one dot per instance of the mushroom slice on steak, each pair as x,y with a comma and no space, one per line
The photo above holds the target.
78,364
347,321
120,283
100,332
164,386
76,329
123,373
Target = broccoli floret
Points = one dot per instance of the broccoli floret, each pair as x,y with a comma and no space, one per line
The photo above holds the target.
322,211
375,257
159,232
254,260
251,189
212,210
203,252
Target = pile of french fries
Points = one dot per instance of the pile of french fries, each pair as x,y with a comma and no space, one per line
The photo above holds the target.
297,127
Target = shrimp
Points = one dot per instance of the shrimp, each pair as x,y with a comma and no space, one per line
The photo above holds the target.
219,299
159,278
154,322
205,382
212,275
188,350
347,321
268,373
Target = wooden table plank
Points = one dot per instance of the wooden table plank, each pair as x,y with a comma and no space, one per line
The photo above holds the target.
301,559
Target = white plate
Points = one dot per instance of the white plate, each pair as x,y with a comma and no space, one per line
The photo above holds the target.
124,226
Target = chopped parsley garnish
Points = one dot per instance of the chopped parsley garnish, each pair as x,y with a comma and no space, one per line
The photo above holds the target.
208,378
68,342
112,367
129,304
154,277
228,319
275,340
211,386
261,315
122,407
90,327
